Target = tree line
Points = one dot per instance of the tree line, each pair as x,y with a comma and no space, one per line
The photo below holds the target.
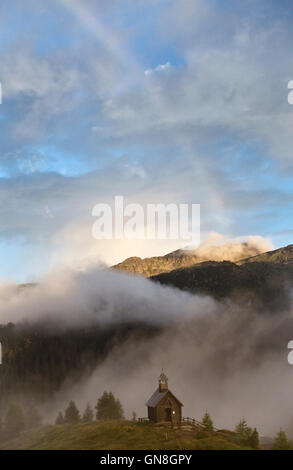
246,434
107,407
249,436
17,420
37,359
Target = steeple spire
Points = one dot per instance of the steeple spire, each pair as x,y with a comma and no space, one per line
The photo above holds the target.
163,382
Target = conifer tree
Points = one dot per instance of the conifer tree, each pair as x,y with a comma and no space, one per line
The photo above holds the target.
207,422
108,407
60,418
88,415
253,439
281,441
243,429
71,413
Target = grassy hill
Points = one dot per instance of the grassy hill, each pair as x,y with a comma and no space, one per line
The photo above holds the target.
128,435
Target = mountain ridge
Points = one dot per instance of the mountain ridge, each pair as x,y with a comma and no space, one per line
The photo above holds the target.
178,259
283,255
265,279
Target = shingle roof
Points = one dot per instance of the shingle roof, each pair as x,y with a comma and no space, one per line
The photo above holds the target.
156,397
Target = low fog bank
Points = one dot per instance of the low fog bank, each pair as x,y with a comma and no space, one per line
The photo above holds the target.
98,296
219,357
232,363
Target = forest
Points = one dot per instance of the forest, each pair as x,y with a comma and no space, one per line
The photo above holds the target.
39,358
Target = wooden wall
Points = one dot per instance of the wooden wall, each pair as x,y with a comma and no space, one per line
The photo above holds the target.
159,414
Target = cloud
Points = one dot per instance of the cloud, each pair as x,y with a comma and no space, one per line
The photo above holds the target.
214,130
66,237
106,292
232,364
94,295
218,247
219,356
159,68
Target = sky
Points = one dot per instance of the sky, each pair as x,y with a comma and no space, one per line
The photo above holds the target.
160,101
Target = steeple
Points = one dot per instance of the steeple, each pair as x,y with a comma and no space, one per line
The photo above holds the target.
163,382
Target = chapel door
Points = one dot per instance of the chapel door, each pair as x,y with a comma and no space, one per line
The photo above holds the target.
168,414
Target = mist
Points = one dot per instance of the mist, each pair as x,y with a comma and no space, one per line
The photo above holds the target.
218,247
230,362
97,296
219,356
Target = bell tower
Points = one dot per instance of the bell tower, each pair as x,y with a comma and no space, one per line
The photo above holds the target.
164,406
163,382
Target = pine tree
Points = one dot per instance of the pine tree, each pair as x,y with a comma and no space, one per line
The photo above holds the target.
207,422
281,441
253,439
33,418
88,415
14,421
108,407
243,429
60,418
71,413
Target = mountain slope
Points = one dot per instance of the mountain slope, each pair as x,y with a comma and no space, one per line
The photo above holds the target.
267,282
280,256
184,258
40,358
158,264
266,277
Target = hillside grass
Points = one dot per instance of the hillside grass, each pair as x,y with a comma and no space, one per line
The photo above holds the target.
123,435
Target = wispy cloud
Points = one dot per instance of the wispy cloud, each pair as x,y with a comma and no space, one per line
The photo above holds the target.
181,105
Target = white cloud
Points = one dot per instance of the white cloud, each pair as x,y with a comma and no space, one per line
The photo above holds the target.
159,68
182,132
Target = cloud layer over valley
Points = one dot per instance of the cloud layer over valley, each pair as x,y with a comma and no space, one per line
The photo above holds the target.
219,356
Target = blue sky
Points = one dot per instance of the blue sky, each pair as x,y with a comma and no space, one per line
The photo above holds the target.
157,100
